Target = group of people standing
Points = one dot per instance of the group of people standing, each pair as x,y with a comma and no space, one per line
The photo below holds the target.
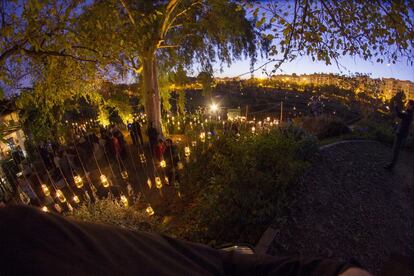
164,150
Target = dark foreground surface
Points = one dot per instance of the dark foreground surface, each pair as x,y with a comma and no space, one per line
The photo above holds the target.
350,207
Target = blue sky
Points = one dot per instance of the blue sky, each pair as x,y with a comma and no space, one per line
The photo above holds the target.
304,65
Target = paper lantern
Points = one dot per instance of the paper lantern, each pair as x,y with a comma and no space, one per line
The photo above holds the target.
124,175
124,201
76,199
24,198
45,190
130,190
163,164
78,181
149,183
180,165
158,182
104,181
149,210
60,196
142,158
253,129
203,136
57,208
45,209
166,180
187,151
193,143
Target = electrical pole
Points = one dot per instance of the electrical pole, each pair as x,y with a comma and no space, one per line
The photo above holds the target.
281,112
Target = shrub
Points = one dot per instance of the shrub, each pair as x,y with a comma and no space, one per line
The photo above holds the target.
324,126
381,130
111,211
240,183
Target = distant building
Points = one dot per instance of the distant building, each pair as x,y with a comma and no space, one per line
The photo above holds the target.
390,87
384,88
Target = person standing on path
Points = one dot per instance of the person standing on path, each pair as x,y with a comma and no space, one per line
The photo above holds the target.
136,132
152,136
159,150
116,147
402,132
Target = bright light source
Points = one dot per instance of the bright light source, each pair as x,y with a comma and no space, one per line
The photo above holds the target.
213,107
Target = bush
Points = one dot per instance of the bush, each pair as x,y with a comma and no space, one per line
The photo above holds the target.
240,183
111,211
324,126
381,130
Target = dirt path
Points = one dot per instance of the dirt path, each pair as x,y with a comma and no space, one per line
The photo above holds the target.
350,207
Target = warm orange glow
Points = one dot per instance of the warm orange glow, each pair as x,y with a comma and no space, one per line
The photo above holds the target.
78,181
60,196
149,210
45,190
124,200
124,175
104,181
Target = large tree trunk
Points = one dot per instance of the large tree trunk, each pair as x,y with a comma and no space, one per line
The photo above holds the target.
152,95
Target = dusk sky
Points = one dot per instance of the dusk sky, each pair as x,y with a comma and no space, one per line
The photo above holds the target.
304,65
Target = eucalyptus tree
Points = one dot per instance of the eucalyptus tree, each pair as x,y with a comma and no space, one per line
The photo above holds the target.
145,36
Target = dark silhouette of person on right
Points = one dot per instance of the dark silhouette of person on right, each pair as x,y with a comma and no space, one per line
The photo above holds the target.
402,132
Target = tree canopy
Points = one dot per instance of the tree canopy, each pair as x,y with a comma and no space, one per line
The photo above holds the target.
381,31
61,50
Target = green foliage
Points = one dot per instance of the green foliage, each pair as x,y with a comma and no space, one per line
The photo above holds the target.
164,84
120,103
246,182
103,117
60,86
379,129
326,30
207,81
111,211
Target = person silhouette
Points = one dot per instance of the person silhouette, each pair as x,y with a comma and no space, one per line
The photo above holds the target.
401,133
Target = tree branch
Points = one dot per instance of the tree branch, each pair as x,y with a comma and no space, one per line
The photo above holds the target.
57,54
9,52
167,46
131,18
